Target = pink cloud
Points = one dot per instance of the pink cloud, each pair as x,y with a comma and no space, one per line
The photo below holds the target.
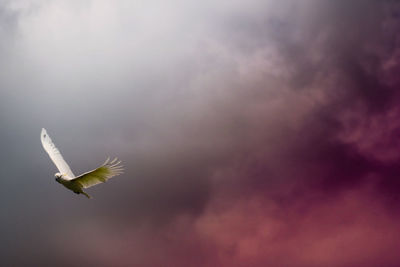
349,230
373,135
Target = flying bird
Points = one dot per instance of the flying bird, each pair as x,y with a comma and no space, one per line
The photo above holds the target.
88,179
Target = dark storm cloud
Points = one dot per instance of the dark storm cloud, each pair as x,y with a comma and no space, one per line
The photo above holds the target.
333,50
231,120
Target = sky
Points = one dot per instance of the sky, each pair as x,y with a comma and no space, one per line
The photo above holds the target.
253,133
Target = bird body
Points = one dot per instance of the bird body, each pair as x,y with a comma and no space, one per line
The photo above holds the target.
88,179
72,185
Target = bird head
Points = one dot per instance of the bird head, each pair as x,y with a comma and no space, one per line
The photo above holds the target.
58,176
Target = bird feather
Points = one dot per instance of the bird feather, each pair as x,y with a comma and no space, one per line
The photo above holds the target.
55,155
106,171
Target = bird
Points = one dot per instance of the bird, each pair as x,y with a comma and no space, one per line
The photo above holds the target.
108,169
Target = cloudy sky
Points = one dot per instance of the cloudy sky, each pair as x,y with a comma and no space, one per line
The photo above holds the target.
253,133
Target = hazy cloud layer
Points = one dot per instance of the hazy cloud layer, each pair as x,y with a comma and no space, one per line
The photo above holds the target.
253,134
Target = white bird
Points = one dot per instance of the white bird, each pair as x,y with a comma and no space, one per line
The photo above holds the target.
88,179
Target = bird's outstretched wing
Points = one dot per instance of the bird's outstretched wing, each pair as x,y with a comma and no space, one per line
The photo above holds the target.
55,155
101,174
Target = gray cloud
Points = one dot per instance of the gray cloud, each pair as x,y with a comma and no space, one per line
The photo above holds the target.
206,103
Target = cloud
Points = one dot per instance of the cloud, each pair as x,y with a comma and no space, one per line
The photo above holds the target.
252,133
350,229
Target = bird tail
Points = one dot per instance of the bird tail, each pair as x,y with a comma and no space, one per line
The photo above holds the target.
86,194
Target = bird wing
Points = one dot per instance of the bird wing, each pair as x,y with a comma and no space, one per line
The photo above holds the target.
55,155
101,174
